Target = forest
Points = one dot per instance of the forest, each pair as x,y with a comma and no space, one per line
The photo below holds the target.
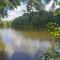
47,21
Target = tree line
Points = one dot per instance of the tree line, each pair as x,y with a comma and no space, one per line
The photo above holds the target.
35,20
5,24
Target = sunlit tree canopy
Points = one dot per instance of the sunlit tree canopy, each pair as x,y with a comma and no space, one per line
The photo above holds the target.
7,4
11,4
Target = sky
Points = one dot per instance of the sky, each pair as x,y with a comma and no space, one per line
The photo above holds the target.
20,10
49,6
12,14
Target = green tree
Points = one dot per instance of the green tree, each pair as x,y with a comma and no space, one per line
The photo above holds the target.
37,4
7,4
51,54
53,29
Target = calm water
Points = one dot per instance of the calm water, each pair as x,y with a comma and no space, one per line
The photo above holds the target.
25,42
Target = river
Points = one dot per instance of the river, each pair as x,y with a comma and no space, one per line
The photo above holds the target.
24,41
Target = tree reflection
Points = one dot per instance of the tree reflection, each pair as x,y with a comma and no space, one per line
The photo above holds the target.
39,55
3,54
21,56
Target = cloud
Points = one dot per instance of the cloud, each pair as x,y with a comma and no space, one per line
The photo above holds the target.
51,6
16,12
22,8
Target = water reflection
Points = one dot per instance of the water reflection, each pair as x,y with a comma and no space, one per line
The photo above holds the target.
24,56
21,56
3,54
25,45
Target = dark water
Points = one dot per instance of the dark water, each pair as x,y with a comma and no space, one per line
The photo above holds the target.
25,45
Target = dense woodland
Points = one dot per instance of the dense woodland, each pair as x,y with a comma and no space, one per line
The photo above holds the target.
36,20
45,21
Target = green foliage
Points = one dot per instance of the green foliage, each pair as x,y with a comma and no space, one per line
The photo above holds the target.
54,29
37,4
58,3
11,4
52,26
51,54
22,21
5,24
57,12
37,21
1,24
7,4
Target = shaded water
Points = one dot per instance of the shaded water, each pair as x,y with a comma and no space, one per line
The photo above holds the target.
25,43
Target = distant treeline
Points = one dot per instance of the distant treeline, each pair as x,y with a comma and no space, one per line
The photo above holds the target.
35,20
5,24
